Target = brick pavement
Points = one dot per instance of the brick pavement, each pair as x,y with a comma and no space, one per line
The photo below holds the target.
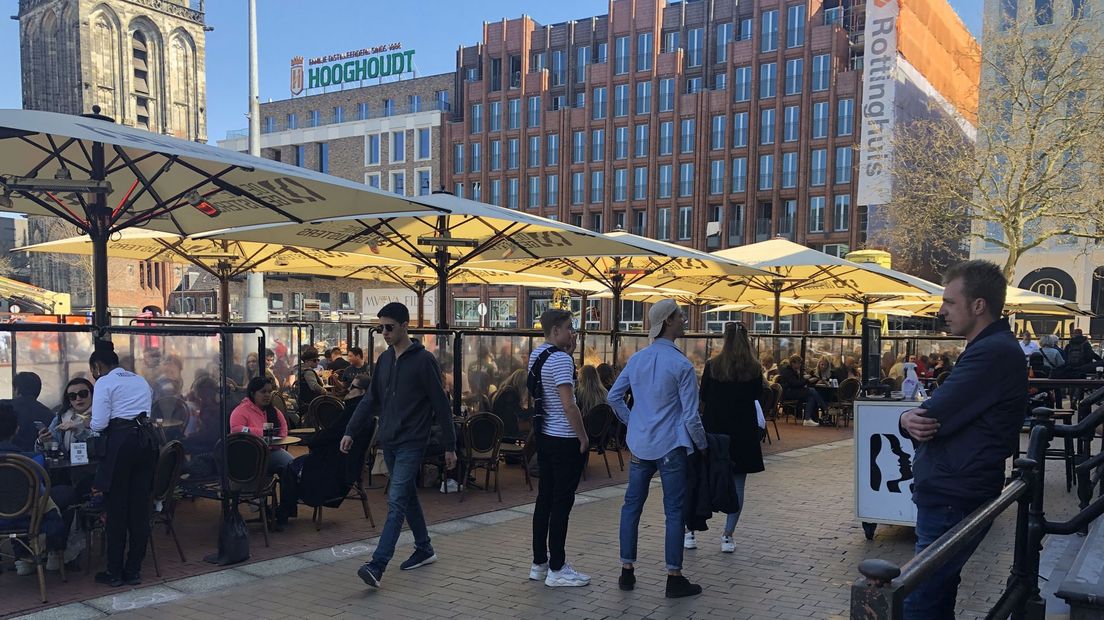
798,546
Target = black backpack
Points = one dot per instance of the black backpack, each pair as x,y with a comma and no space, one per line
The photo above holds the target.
535,384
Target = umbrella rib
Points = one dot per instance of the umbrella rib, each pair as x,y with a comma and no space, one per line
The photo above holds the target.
54,154
238,191
494,240
154,212
147,183
65,213
411,249
132,160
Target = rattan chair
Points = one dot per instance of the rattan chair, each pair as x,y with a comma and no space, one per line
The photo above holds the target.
481,446
247,472
170,462
24,491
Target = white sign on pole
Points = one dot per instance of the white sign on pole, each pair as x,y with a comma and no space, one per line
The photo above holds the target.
372,299
879,102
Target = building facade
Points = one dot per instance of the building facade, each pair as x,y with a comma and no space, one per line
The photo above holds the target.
140,62
709,123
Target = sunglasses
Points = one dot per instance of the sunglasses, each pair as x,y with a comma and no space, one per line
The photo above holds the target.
386,327
76,395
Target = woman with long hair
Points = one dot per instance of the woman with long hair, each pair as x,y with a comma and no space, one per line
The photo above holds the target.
607,374
590,392
731,383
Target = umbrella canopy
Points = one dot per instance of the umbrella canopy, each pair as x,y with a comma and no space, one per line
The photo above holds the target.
221,258
791,307
103,177
802,272
1017,300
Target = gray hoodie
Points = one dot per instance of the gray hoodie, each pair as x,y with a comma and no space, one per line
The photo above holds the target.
407,393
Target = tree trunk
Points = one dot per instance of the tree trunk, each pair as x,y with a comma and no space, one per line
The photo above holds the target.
1010,264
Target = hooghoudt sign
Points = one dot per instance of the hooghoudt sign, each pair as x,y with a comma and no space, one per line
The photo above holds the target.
879,102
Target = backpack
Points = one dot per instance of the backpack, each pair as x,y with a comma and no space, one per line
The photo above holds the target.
1076,355
535,384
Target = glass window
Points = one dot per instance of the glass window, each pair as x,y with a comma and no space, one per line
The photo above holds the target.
423,183
300,155
843,164
373,149
640,183
496,155
789,170
597,186
670,41
740,130
552,193
598,111
442,99
388,107
663,223
666,138
746,24
513,154
644,51
786,219
685,223
621,143
666,94
458,190
339,114
694,47
423,143
816,214
457,159
621,55
372,180
818,167
502,312
578,147
414,103
596,222
686,179
768,80
820,120
620,184
511,193
766,172
766,126
621,100
794,71
720,81
534,152
494,121
693,85
841,212
724,35
578,188
362,111
496,192
795,25
768,32
742,82
496,74
717,132
1044,12
739,175
687,135
600,53
791,124
553,158
398,183
598,145
582,59
292,121
665,180
822,65
716,176
559,68
465,312
845,117
476,156
477,118
477,191
1008,10
315,118
398,146
323,157
640,141
514,107
643,97
640,222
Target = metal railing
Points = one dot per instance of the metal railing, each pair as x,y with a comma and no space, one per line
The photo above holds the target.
881,591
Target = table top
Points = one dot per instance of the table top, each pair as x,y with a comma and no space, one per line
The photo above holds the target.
285,441
169,423
65,464
1080,382
306,430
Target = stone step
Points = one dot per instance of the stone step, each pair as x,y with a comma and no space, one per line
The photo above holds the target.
1083,586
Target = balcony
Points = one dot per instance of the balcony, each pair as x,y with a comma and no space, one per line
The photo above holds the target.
276,125
762,229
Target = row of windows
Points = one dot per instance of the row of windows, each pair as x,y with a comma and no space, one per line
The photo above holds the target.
423,146
337,114
497,119
687,138
397,182
627,57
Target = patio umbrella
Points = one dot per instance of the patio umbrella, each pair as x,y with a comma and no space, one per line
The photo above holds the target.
1017,300
221,258
103,178
800,271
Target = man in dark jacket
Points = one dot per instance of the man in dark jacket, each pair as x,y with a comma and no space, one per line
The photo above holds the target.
406,393
1079,353
795,386
969,427
26,388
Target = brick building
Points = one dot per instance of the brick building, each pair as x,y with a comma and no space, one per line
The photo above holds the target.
709,123
142,63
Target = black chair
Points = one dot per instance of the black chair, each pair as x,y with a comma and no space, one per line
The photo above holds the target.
848,391
597,423
356,491
24,488
170,462
170,416
507,405
247,471
481,446
325,411
768,401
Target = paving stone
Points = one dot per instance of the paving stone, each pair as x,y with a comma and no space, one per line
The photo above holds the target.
73,611
213,581
279,566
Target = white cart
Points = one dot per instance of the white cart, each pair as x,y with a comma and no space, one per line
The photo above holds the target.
883,465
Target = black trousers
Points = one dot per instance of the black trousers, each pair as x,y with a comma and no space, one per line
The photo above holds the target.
560,465
128,506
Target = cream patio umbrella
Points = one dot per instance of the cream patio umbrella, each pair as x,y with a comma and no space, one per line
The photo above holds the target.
221,258
802,272
102,178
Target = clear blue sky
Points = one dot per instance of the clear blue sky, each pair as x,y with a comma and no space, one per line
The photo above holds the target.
287,28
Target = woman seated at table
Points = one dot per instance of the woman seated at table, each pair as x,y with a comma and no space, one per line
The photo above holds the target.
795,386
823,372
71,423
254,412
590,392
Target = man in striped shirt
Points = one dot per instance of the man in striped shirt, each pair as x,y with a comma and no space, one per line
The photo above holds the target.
561,454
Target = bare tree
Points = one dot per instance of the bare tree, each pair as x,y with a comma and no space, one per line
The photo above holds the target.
1031,175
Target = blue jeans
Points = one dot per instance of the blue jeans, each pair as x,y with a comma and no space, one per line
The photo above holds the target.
935,597
672,472
734,517
402,504
814,401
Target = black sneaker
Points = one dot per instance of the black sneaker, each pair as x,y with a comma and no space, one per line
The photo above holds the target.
418,559
370,575
627,580
132,579
679,586
109,579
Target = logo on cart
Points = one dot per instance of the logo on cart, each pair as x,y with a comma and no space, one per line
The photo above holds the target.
904,463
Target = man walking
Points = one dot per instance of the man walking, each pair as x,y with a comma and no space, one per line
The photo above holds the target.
408,395
969,427
562,446
664,428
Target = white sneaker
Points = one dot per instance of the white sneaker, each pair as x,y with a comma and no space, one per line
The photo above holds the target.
452,486
538,572
811,423
566,577
689,542
53,561
24,568
727,544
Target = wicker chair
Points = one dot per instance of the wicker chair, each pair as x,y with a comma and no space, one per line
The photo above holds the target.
481,446
247,471
170,462
24,489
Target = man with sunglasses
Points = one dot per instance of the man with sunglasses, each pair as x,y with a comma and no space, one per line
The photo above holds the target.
408,395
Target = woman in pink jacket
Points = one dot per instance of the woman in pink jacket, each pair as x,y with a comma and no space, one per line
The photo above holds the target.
254,412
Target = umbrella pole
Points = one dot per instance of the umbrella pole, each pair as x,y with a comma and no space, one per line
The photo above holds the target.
582,326
224,297
442,257
777,286
420,292
98,232
616,284
805,336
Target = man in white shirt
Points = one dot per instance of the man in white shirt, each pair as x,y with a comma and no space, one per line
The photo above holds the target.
1027,345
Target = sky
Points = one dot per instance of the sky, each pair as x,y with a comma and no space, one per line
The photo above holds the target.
288,28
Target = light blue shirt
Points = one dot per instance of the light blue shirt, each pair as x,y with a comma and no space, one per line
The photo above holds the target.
665,402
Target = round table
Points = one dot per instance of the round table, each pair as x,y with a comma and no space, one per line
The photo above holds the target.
285,441
306,430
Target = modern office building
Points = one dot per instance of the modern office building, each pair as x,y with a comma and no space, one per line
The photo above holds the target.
709,123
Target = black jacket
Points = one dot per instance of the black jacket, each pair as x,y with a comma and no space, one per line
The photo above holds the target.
28,411
980,408
794,385
1079,353
710,486
407,393
728,408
